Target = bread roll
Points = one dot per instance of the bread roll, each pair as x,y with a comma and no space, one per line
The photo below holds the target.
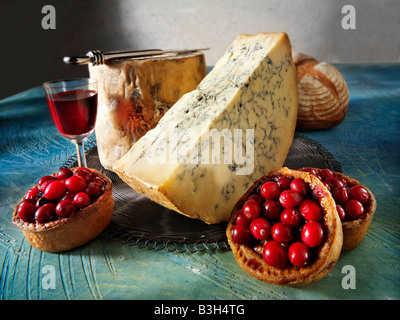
323,94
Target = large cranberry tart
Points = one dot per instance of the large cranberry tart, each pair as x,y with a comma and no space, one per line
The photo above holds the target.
355,204
285,230
66,209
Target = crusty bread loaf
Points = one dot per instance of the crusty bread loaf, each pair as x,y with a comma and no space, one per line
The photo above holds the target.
323,94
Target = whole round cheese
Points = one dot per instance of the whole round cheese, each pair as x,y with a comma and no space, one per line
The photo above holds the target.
133,95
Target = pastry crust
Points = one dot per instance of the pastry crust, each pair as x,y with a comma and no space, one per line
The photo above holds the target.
253,263
68,233
354,231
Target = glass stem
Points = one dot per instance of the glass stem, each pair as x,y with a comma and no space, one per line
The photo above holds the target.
80,151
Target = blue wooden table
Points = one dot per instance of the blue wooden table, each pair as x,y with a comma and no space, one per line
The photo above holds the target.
367,145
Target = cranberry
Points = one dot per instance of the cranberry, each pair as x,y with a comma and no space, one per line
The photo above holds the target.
241,234
299,254
317,193
54,190
32,194
343,181
340,195
341,212
41,201
67,196
81,199
283,182
258,198
98,180
44,178
44,182
64,173
275,254
75,184
270,190
354,209
85,169
309,170
281,232
26,211
65,208
312,234
241,219
84,173
299,185
251,209
290,198
33,201
333,183
93,189
260,228
310,210
45,213
313,172
272,210
325,173
291,217
326,185
359,193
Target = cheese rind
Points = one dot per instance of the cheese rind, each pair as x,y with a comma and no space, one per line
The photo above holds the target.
133,95
251,92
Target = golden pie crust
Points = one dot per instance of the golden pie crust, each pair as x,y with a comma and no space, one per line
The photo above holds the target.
253,262
354,231
68,233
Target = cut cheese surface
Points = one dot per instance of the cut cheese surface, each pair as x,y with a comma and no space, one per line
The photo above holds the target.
133,95
219,138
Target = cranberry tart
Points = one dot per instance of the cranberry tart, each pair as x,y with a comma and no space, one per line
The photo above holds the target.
66,209
281,233
355,204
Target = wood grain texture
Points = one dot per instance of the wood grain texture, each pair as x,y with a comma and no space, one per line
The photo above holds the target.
366,143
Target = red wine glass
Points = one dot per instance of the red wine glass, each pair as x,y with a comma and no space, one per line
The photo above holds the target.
73,106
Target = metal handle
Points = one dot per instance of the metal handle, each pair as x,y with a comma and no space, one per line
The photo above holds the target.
97,57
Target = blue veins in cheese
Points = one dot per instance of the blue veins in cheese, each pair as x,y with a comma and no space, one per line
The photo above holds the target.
235,127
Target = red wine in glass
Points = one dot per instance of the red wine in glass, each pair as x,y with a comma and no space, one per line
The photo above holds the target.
73,106
74,112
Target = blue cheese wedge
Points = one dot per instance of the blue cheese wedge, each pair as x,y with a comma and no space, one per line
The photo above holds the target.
235,127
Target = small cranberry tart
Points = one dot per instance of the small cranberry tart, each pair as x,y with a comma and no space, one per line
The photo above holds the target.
66,209
355,204
292,237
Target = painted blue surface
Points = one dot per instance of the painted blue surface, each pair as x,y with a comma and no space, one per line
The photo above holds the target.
367,144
